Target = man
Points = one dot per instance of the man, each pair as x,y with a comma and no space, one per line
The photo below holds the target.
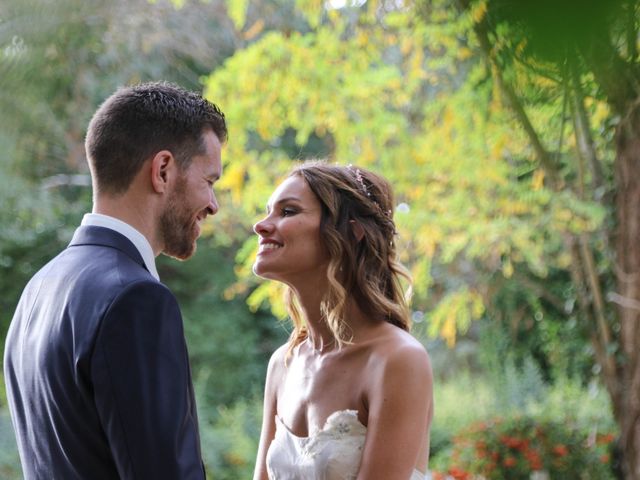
96,364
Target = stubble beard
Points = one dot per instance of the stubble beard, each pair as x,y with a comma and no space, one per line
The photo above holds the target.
176,225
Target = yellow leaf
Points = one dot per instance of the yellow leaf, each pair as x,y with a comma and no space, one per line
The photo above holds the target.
237,11
254,30
406,45
521,46
537,182
464,53
479,11
448,330
507,268
233,180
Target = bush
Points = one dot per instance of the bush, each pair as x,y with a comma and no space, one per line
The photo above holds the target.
575,415
9,459
455,409
230,437
514,448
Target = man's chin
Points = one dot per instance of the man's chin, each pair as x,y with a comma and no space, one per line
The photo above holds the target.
183,254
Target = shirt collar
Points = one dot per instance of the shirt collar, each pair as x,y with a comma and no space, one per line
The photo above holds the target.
139,240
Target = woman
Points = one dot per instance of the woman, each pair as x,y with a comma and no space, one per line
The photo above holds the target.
350,395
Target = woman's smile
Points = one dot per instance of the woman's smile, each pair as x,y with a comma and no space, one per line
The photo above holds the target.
266,247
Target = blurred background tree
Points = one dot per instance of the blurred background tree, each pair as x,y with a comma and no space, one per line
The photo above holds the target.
511,155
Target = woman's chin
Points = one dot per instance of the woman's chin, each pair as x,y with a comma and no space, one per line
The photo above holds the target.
262,272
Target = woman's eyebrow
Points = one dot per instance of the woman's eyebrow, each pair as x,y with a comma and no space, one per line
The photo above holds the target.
281,201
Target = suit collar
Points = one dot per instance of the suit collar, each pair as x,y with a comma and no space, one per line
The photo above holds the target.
91,235
135,236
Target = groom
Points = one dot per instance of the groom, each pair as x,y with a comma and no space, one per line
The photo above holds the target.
96,364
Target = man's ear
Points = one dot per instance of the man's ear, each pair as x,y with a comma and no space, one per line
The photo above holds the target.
357,229
162,164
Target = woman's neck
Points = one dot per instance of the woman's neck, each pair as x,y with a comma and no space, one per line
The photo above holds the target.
320,337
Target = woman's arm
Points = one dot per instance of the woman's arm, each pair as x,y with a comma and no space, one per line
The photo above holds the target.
400,399
274,376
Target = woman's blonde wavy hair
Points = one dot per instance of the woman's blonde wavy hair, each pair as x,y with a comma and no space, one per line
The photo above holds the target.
367,269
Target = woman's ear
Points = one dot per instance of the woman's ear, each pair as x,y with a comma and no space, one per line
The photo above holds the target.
357,229
161,164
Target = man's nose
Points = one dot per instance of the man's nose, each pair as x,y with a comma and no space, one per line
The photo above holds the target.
213,206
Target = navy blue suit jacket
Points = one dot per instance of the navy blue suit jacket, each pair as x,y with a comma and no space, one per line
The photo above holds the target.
96,369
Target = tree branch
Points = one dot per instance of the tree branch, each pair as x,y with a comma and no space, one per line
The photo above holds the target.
596,292
632,32
586,148
618,79
603,357
481,30
63,180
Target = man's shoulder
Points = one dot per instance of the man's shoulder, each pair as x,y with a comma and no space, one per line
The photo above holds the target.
90,259
91,272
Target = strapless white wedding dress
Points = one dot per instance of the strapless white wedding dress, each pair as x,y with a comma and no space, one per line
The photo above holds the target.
332,453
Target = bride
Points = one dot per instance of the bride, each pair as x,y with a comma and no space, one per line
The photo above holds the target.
350,395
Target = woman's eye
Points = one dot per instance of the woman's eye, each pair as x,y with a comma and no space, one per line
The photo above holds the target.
287,212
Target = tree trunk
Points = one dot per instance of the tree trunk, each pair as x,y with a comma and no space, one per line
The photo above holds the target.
627,246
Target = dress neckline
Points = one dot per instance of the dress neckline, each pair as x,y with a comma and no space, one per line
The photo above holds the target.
330,422
341,422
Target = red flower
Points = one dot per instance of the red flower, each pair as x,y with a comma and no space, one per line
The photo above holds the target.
535,462
514,442
509,461
560,450
458,474
605,439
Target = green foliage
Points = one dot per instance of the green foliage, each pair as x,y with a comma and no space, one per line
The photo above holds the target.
554,28
454,314
520,378
9,458
459,401
230,439
407,98
35,228
529,322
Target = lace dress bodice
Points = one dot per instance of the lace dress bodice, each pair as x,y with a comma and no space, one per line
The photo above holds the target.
332,453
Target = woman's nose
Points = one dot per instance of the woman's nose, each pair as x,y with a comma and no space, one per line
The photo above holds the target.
263,227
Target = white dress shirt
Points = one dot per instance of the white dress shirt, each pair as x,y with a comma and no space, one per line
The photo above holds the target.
139,240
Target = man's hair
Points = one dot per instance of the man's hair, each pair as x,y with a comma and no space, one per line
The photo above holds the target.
138,121
365,269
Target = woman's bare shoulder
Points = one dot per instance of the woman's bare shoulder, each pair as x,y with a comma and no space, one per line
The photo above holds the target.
395,341
399,351
279,357
277,362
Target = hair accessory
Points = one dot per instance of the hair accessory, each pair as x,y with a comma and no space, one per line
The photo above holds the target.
360,180
365,190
